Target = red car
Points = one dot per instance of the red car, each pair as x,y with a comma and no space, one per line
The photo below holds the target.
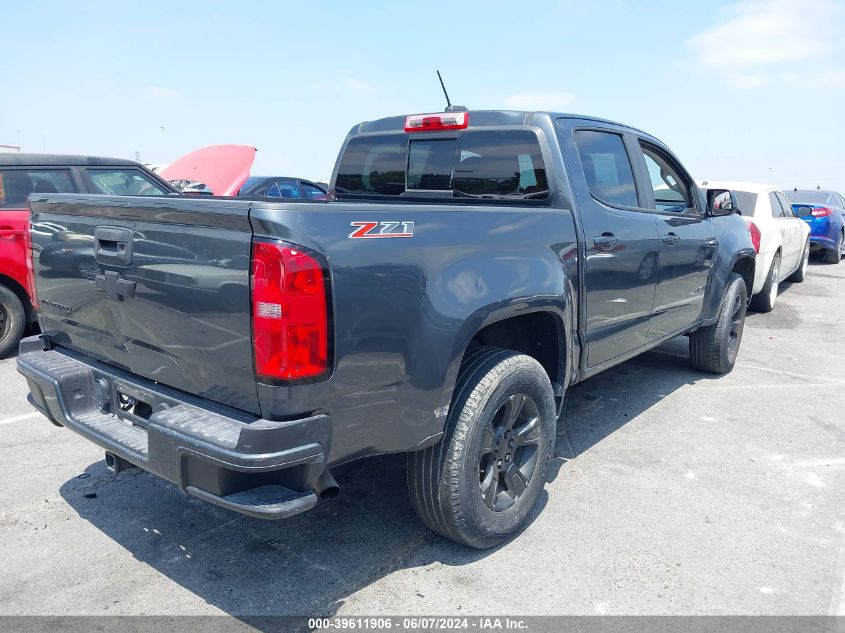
25,174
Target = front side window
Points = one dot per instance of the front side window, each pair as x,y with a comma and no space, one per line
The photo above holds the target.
17,184
485,164
671,191
607,168
124,182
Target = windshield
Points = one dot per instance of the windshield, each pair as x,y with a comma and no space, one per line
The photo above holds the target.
809,197
487,164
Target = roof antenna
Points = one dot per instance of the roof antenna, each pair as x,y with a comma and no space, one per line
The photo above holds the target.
449,106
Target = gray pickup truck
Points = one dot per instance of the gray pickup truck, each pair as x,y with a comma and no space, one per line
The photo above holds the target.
467,269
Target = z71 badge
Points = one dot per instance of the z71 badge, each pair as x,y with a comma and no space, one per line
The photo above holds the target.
376,230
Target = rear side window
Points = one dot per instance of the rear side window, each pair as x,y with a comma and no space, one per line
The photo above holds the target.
283,189
607,167
777,209
312,193
784,203
17,184
488,164
124,182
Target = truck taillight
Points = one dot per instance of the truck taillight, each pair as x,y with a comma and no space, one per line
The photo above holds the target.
30,264
820,212
755,236
290,329
437,122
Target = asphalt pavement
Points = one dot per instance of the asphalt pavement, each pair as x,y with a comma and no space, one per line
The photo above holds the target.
672,492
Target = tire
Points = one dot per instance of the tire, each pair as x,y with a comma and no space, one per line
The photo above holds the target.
799,275
764,300
834,255
446,482
714,348
12,320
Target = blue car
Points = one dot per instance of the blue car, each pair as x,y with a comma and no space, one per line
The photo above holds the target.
824,211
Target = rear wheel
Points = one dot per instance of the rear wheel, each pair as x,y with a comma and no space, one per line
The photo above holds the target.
764,300
12,320
834,255
798,276
714,348
481,483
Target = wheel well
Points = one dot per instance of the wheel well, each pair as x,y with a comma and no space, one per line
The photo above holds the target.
745,267
536,334
15,287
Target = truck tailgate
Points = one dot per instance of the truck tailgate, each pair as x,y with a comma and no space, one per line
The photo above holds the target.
161,293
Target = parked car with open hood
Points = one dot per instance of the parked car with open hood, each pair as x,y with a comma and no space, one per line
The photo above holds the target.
469,268
218,170
824,211
780,238
24,174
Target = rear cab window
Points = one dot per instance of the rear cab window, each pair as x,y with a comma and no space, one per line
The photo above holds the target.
17,184
503,165
124,181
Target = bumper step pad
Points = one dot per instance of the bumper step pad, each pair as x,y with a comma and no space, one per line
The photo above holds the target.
265,502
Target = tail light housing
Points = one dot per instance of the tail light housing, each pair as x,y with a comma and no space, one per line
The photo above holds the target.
290,318
30,263
755,236
820,212
437,122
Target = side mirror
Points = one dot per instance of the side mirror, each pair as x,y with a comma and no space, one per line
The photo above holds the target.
721,202
803,211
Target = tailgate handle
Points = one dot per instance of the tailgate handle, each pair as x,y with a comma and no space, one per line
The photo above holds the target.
113,245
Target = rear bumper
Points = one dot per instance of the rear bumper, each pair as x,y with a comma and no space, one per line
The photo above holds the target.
821,242
261,468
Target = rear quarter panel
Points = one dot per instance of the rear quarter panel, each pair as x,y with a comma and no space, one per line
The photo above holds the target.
734,243
405,309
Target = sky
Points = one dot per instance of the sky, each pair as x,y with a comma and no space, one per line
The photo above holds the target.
748,90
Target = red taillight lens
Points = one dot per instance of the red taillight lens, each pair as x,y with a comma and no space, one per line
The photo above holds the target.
820,212
436,122
289,313
755,236
30,264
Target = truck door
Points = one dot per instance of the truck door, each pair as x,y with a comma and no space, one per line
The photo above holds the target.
687,241
620,240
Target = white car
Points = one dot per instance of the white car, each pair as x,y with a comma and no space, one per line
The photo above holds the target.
780,238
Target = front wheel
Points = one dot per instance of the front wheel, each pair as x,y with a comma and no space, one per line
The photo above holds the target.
764,300
799,275
481,483
714,348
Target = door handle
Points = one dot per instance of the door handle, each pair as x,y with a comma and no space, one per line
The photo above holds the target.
606,240
113,245
670,238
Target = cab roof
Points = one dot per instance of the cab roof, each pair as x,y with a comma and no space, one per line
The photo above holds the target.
485,118
59,160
